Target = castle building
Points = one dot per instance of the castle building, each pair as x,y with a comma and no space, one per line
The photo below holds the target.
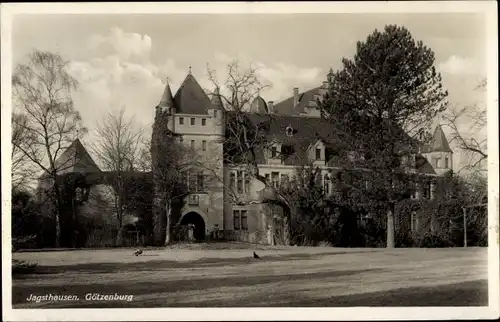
228,198
233,201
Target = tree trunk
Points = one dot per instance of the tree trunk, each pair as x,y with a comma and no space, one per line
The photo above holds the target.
58,228
119,237
168,228
286,231
390,227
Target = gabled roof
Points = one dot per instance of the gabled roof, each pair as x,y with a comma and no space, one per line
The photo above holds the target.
286,107
191,98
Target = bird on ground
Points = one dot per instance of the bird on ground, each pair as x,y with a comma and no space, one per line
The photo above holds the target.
138,252
255,255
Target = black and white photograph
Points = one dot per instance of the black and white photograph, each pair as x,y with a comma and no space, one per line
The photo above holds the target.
251,155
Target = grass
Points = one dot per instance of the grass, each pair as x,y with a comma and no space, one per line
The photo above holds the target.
226,275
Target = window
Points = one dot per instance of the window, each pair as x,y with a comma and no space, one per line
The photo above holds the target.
184,178
274,152
215,113
203,122
414,192
289,131
427,190
247,183
318,154
285,180
240,221
192,144
404,160
181,139
446,162
192,182
413,221
181,120
268,177
286,151
438,162
239,182
232,180
244,221
201,182
326,184
236,219
204,145
192,121
275,177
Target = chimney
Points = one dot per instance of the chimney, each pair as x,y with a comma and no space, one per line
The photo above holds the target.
295,97
270,106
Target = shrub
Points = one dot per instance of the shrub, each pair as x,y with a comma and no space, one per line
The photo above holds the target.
433,240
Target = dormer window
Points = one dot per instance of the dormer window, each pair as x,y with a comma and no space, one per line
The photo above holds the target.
289,131
274,152
318,154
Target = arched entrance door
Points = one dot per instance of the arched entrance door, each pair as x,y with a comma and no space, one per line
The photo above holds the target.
198,222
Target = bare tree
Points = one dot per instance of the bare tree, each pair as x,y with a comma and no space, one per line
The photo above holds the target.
245,138
118,148
466,123
42,91
22,169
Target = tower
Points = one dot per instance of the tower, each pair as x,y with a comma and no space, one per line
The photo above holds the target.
166,108
216,111
439,153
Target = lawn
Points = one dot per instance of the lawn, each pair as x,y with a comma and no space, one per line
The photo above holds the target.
225,275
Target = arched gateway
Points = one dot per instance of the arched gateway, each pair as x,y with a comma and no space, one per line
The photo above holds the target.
197,220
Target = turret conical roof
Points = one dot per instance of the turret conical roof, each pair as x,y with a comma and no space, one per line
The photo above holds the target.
439,141
216,100
167,100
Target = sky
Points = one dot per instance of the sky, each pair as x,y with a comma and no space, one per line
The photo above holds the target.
123,60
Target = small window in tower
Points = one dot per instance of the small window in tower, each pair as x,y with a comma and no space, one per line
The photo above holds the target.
215,113
203,122
204,145
192,121
192,144
446,162
181,120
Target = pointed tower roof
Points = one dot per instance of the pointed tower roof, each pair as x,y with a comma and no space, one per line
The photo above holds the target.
166,99
216,100
191,98
439,141
75,159
330,72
